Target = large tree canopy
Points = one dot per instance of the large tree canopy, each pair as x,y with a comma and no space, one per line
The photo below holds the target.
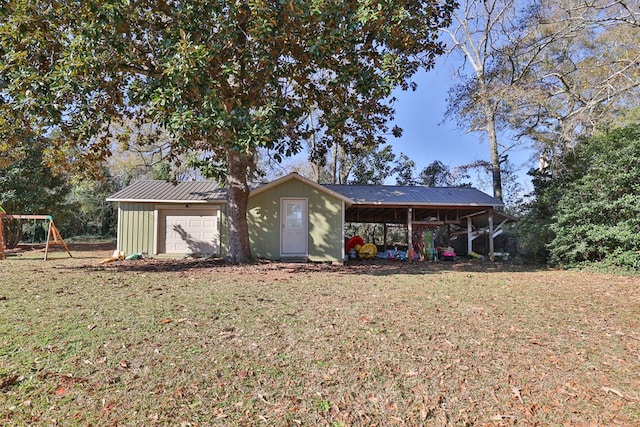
480,31
597,213
222,77
548,72
28,186
579,66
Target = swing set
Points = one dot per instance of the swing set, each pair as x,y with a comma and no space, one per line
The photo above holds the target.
53,235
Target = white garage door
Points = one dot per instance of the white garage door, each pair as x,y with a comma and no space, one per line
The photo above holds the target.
192,231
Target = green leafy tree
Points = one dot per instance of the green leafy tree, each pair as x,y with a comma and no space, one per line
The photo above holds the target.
373,167
436,174
534,226
90,214
405,171
222,77
29,186
597,217
144,152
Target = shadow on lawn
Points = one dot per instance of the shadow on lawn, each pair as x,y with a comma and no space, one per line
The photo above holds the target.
386,267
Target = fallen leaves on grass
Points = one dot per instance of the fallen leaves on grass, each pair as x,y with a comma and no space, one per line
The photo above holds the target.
371,344
9,381
613,391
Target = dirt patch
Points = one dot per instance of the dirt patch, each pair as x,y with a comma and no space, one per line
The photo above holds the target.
92,247
84,250
79,247
274,268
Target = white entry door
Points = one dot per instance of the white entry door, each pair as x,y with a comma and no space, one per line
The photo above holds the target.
294,226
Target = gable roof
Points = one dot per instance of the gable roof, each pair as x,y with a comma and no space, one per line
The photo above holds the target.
296,176
372,195
167,192
414,195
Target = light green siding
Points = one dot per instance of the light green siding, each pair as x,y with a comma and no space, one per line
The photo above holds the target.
325,232
137,232
224,227
136,228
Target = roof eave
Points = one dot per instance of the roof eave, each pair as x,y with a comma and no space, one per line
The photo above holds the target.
428,204
202,202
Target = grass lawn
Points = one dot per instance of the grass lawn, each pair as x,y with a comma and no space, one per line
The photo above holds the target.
198,343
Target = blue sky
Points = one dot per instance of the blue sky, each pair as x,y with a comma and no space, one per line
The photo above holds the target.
428,137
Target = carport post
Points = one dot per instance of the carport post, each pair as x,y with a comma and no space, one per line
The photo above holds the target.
469,236
386,229
410,236
491,249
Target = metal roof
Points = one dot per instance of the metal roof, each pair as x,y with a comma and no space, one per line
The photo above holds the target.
371,195
414,195
163,191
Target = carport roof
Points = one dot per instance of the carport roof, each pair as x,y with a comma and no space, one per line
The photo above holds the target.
393,195
429,205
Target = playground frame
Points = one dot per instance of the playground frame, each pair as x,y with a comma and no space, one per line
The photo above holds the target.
53,235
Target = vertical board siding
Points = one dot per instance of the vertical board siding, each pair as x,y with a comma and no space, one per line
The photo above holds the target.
136,228
325,228
222,227
137,231
325,224
324,218
263,214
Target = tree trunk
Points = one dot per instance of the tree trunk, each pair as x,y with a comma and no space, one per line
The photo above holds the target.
238,198
315,164
12,232
493,149
334,165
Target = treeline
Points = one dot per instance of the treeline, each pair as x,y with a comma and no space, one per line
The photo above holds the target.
94,94
587,211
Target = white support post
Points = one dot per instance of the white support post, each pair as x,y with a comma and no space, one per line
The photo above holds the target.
410,234
491,248
469,236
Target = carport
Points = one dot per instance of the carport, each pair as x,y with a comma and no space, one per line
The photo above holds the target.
476,213
293,217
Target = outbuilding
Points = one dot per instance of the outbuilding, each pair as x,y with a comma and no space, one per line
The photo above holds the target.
290,218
